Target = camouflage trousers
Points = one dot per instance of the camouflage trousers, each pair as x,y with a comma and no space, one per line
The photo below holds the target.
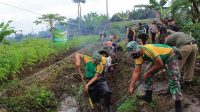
173,77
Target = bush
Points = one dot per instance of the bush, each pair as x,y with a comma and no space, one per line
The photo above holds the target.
193,29
34,99
18,55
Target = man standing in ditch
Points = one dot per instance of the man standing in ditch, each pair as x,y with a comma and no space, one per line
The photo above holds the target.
96,85
161,56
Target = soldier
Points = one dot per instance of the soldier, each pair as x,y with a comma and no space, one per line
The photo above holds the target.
161,56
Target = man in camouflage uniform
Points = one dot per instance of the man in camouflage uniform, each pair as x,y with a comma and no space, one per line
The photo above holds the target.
160,56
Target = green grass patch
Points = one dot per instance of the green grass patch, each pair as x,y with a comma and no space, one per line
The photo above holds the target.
33,99
130,105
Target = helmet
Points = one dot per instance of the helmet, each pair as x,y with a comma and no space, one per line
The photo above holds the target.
96,57
133,47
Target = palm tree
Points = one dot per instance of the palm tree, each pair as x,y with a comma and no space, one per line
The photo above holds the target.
79,11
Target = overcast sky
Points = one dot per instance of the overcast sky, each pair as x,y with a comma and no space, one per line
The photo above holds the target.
23,20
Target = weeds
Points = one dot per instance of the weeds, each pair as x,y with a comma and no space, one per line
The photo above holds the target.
34,98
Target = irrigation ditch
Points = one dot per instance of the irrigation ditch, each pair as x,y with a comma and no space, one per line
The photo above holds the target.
60,78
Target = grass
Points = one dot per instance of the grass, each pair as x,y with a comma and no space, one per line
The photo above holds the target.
130,105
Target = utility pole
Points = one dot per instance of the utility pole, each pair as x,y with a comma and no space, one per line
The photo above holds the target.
107,14
107,7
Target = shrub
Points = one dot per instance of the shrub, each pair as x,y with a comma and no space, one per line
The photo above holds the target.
33,99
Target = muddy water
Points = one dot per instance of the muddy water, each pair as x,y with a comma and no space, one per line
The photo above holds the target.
68,104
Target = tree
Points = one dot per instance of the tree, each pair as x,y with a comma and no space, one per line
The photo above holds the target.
79,10
5,30
51,20
186,9
116,18
94,22
158,6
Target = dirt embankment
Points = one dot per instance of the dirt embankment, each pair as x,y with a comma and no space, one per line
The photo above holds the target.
66,83
48,73
60,77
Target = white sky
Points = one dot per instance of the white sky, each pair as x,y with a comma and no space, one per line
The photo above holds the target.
23,20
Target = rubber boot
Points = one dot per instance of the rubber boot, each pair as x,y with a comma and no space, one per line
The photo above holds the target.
178,106
107,99
147,97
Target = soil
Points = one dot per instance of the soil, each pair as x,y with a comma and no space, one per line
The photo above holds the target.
29,70
66,82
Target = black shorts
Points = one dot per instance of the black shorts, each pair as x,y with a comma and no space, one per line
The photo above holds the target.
98,90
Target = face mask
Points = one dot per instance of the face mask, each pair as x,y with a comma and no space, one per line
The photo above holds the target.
135,55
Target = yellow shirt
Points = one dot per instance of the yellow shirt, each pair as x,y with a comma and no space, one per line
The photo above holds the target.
152,51
95,68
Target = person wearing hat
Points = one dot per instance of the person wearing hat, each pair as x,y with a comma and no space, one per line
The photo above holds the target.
161,56
111,60
105,53
96,85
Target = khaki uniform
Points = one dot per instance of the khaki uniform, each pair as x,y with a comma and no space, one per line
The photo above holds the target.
188,49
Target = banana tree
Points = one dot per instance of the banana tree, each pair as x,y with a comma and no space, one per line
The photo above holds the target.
123,15
5,30
158,6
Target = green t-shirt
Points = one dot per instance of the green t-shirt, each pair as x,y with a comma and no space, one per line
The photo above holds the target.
91,68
